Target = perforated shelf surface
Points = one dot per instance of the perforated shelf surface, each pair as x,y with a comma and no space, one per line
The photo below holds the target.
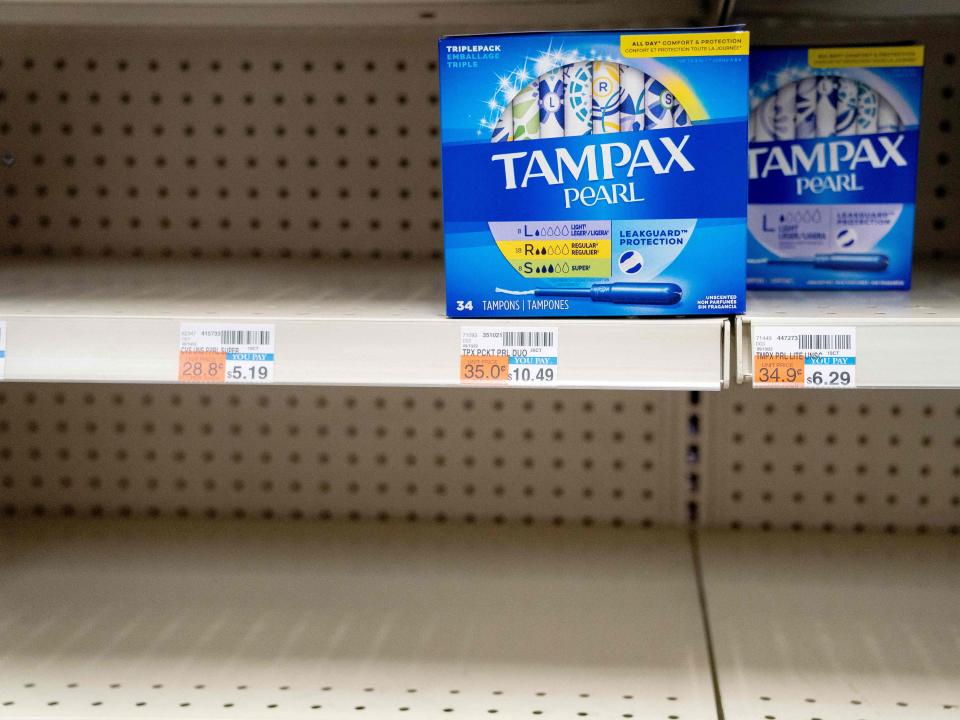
161,619
835,627
345,323
168,618
904,339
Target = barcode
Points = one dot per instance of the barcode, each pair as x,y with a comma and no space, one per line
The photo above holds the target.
245,337
825,342
529,339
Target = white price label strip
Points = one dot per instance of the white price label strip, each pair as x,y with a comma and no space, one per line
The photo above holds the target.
3,349
508,355
226,353
804,357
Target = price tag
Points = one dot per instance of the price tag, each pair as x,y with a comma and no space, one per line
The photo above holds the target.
3,349
226,353
508,355
804,357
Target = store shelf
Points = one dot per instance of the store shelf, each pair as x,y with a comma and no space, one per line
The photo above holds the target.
171,618
163,619
836,627
904,339
337,323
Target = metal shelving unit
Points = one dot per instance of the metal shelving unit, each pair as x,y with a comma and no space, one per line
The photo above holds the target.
364,538
201,619
337,323
207,619
904,339
837,626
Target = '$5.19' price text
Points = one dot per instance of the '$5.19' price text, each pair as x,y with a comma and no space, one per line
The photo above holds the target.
248,372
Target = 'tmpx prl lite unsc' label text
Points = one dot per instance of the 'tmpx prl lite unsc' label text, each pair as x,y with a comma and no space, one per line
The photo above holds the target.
594,173
226,353
804,357
833,166
509,355
3,349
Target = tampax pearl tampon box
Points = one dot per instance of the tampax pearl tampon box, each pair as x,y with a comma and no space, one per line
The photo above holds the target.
833,166
595,173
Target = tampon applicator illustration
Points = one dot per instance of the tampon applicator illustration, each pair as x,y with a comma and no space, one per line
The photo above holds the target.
826,106
577,99
806,109
619,293
784,112
847,97
551,90
867,101
606,97
632,104
854,262
526,114
658,104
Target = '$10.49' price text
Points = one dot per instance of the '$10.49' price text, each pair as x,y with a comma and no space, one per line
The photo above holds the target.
526,374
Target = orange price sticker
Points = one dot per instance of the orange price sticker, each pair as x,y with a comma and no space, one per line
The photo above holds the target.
484,368
778,370
203,367
510,355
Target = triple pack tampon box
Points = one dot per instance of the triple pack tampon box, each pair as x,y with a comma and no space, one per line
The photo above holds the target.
833,166
595,173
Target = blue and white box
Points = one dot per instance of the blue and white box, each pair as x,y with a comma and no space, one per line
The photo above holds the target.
833,166
595,173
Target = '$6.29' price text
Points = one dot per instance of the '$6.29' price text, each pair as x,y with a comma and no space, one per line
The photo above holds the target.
829,378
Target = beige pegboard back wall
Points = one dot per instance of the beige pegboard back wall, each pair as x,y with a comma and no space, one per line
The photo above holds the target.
802,460
832,460
578,458
227,142
300,142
